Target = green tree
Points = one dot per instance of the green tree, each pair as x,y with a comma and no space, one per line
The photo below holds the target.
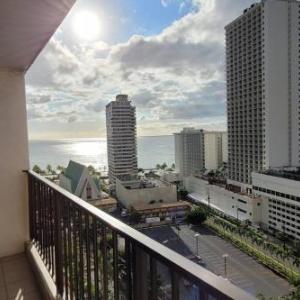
37,169
49,169
196,216
91,169
158,166
164,166
135,217
60,168
296,248
173,166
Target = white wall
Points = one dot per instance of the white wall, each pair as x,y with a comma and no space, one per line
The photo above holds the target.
225,200
291,216
13,159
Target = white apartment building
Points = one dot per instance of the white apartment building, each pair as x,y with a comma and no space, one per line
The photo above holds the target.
263,94
189,151
121,139
215,148
280,193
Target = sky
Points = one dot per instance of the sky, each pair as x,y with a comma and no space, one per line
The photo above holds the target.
167,55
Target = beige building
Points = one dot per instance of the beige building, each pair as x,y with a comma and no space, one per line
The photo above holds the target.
121,139
215,149
189,151
152,191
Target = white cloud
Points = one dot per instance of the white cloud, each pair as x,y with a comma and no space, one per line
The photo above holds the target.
175,78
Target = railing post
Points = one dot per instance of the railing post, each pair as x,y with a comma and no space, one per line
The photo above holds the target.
58,246
30,206
140,285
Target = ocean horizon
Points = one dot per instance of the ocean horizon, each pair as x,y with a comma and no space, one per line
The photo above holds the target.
151,150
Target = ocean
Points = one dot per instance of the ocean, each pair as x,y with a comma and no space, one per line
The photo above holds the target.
152,150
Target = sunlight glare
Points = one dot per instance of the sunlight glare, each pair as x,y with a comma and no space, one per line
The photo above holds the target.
86,25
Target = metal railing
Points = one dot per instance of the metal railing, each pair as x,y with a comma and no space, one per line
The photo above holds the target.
91,255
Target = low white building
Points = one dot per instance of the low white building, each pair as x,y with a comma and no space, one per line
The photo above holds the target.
134,192
280,193
237,205
77,180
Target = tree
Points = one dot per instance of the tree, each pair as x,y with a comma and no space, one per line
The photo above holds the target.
37,169
196,216
135,217
296,248
158,166
164,166
49,169
91,169
60,168
173,166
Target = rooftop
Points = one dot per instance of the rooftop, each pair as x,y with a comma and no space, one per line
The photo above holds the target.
158,205
291,174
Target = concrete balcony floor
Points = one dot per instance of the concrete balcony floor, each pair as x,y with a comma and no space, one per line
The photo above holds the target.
17,280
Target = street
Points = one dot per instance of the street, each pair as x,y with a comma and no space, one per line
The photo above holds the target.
241,269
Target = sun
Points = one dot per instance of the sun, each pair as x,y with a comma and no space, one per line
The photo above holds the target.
86,25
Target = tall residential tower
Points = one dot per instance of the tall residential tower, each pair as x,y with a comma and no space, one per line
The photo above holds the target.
121,139
263,92
189,151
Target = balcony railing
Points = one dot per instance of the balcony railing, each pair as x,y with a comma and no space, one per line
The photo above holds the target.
91,255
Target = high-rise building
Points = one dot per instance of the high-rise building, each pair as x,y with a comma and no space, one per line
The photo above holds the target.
189,151
263,88
215,145
121,139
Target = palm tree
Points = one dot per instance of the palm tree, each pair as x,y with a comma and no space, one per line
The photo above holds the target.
49,169
37,169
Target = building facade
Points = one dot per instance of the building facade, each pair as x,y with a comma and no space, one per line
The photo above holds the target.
262,65
215,145
239,206
280,193
189,151
121,139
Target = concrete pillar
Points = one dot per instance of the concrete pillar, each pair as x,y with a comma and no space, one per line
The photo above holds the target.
13,159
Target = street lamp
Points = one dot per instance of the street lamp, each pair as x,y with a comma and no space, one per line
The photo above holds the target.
197,243
225,256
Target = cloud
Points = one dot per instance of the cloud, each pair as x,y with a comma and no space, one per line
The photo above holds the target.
72,119
175,78
39,99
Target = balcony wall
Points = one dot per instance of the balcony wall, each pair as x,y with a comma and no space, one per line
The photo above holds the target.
13,159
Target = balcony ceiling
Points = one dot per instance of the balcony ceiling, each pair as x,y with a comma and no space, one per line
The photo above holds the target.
25,28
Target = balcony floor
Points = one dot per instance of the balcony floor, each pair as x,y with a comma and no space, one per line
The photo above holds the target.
17,281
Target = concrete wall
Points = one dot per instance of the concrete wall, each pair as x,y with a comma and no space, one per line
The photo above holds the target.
128,197
226,201
14,158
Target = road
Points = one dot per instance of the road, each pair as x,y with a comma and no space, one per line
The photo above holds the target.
242,270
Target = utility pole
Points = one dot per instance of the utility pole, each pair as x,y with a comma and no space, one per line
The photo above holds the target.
225,256
197,243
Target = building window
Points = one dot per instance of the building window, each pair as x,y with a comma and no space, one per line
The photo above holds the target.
88,191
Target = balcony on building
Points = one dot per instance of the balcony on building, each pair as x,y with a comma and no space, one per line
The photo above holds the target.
53,244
